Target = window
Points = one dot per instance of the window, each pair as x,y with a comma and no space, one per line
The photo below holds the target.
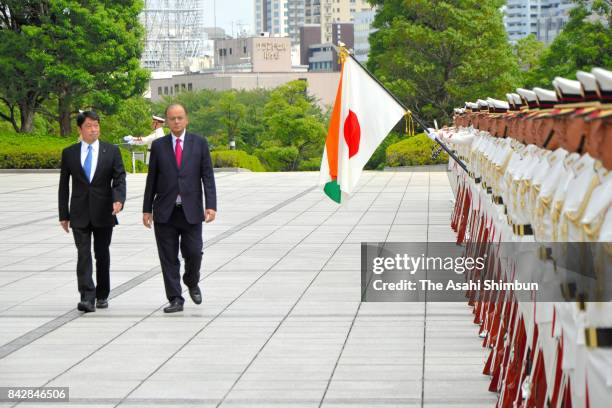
165,90
244,49
176,88
190,87
159,90
230,51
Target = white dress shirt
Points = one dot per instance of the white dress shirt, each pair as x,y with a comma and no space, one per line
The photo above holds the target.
94,156
182,137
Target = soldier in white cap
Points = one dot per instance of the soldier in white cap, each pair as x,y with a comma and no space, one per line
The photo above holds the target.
158,131
157,125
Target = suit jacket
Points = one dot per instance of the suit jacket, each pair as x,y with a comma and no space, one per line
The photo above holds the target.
91,202
166,181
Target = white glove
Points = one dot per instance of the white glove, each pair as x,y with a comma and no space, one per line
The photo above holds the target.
128,138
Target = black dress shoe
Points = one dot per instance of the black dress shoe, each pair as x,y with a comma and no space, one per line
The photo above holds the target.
102,303
86,306
196,294
175,306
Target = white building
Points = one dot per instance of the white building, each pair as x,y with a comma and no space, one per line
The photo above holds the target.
279,18
543,18
335,11
363,28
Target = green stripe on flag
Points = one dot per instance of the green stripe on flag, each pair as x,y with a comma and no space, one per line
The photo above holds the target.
332,189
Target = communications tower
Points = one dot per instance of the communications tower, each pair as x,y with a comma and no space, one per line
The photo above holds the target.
174,33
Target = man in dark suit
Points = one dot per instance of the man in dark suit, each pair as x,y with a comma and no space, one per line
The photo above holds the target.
180,167
98,194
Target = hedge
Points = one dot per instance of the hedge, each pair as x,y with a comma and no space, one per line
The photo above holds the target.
44,152
278,158
414,151
236,158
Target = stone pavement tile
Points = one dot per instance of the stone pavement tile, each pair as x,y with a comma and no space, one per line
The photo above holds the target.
13,327
374,217
88,404
452,369
330,309
346,257
411,218
270,403
459,390
373,402
283,389
251,234
278,218
289,234
441,233
344,218
340,285
440,205
441,218
311,218
93,387
354,391
259,254
372,233
407,233
183,387
326,237
12,276
306,257
378,372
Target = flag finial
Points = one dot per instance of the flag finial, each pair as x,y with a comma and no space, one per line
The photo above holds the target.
343,53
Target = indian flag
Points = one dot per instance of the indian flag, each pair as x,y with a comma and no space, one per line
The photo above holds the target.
363,115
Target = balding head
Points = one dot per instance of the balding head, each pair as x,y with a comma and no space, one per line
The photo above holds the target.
176,118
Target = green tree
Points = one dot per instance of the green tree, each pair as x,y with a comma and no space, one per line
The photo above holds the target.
584,43
133,117
294,120
231,113
528,51
89,51
435,54
23,88
253,127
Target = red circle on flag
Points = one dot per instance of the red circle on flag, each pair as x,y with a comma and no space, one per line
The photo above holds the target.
352,133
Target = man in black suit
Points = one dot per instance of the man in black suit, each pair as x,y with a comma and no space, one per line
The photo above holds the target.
179,168
98,194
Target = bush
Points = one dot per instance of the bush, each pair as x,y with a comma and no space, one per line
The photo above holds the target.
378,159
236,158
414,151
29,160
313,164
126,156
24,151
277,158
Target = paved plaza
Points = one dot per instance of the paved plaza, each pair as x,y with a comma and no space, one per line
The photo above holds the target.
281,324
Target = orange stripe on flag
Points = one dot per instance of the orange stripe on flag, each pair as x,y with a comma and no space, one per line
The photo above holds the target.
333,133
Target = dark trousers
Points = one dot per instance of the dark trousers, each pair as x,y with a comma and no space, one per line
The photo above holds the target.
167,236
101,243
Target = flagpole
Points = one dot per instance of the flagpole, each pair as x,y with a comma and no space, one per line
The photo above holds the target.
431,135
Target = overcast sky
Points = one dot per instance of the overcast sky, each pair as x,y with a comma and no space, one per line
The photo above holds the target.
228,11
